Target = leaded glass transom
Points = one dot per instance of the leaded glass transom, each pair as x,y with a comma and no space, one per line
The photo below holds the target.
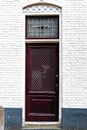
42,27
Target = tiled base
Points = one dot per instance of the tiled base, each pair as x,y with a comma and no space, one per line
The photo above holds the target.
74,119
12,119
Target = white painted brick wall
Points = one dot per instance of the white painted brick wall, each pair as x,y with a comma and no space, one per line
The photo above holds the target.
74,22
74,53
11,53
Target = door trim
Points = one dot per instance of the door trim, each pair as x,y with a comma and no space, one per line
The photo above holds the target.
44,124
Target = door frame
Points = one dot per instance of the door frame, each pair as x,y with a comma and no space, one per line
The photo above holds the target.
57,41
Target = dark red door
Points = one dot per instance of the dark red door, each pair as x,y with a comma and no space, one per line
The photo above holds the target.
42,93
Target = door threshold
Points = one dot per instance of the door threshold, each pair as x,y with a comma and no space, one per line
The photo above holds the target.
44,125
24,128
27,128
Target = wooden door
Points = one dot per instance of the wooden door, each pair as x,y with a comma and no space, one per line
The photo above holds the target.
42,90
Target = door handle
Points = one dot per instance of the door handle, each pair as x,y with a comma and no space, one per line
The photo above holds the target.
56,75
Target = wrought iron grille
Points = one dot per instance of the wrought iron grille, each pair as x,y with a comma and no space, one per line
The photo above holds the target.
42,69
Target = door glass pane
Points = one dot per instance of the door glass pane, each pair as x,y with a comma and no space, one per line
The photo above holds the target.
42,68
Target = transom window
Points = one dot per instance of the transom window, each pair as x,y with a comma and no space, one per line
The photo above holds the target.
42,27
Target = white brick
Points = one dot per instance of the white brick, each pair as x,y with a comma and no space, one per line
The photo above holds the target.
75,54
11,58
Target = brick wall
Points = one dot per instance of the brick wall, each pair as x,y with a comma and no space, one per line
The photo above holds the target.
11,47
74,52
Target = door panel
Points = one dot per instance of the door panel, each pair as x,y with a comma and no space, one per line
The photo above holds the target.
42,97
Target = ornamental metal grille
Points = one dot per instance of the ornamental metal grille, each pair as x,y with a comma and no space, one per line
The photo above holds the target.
42,27
42,68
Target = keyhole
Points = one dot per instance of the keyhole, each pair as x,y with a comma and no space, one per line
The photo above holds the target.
42,27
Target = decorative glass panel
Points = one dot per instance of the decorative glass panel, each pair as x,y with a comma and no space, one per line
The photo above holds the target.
42,27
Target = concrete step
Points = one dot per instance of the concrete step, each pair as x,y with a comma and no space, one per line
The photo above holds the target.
28,129
40,129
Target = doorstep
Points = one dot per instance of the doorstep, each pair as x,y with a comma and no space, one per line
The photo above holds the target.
39,129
